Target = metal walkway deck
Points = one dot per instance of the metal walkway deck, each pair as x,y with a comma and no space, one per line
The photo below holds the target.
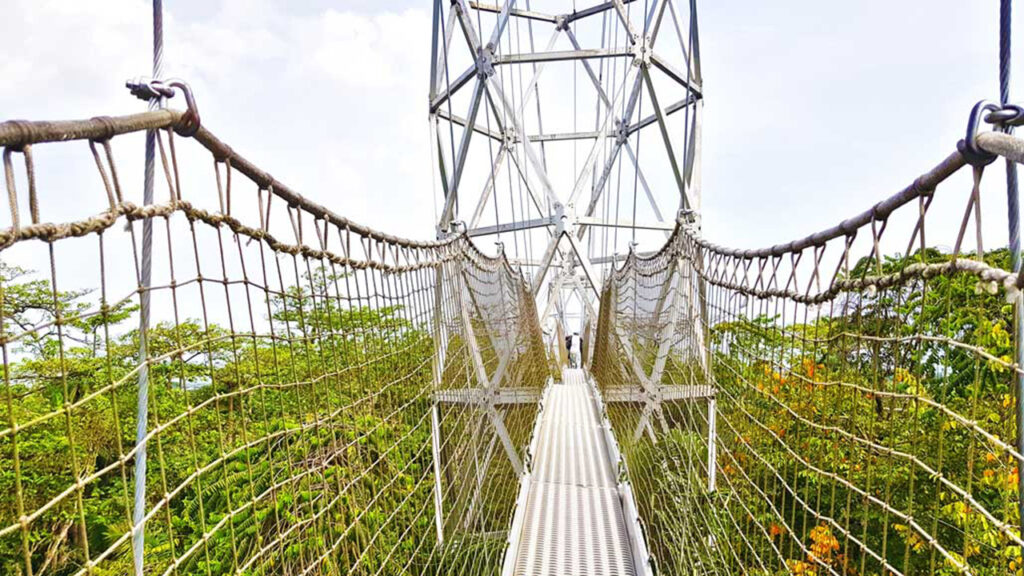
572,521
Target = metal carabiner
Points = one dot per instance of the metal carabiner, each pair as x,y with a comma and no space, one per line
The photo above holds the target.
190,121
968,146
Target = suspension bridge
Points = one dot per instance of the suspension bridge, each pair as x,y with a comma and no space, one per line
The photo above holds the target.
211,374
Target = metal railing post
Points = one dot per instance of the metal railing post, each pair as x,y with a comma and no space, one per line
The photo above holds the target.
435,420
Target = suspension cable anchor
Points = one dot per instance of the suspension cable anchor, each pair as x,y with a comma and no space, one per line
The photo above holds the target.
149,89
968,147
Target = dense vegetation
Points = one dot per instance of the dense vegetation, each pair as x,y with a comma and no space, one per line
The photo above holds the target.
309,440
846,435
849,435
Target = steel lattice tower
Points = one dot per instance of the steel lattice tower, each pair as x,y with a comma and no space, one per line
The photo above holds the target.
570,134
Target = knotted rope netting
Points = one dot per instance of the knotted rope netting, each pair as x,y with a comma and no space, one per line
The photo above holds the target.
323,398
854,393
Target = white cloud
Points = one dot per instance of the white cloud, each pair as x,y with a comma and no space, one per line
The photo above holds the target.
826,107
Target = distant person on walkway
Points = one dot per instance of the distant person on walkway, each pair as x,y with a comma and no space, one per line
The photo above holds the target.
568,351
574,349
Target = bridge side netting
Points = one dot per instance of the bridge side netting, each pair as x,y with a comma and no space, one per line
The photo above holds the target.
309,380
861,393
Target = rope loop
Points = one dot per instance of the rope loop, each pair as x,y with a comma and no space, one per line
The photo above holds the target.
108,131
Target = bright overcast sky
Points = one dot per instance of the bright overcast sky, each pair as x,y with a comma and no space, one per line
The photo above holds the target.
814,110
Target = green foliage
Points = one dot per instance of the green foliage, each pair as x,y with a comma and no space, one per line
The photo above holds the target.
308,441
862,439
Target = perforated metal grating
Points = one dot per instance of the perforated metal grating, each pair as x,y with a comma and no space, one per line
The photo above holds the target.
574,522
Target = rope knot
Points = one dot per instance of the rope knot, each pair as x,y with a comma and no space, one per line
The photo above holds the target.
108,132
26,132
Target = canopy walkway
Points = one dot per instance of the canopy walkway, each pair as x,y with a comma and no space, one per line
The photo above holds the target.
572,521
324,398
211,374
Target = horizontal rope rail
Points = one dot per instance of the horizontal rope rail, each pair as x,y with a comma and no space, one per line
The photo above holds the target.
301,367
19,133
861,414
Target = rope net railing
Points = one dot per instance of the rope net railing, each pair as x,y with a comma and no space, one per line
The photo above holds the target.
854,392
319,398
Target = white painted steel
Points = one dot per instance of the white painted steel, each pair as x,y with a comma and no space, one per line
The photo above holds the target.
573,523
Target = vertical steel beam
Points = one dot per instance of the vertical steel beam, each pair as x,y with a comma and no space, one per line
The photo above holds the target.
434,55
441,57
435,446
435,421
712,443
692,165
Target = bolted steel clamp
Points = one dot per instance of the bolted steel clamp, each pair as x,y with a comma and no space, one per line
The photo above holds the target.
150,89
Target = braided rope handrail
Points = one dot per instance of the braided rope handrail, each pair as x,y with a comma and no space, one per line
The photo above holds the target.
863,398
18,133
1002,144
297,370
